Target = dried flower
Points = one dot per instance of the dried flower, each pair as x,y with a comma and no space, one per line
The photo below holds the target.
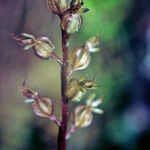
76,88
42,46
29,93
42,106
82,116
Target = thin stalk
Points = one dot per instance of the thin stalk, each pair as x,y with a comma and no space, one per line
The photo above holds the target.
65,112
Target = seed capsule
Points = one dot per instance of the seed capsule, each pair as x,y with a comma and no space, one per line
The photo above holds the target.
92,43
71,22
81,58
43,107
73,91
42,48
82,117
76,88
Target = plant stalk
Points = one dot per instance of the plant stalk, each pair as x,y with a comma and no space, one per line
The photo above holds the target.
65,113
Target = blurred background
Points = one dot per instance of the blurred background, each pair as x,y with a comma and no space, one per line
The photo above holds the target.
122,69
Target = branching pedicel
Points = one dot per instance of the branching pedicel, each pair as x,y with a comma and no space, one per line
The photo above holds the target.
72,89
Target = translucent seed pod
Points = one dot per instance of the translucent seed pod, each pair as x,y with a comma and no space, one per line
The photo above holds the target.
73,91
43,107
43,48
81,58
82,117
92,43
71,22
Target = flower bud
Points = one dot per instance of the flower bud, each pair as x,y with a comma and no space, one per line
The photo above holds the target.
71,22
82,117
92,43
73,91
80,59
43,107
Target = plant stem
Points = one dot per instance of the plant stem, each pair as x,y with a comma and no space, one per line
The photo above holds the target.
65,112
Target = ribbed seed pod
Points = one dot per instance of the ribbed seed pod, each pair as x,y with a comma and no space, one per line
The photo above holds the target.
82,117
71,22
42,48
81,58
43,107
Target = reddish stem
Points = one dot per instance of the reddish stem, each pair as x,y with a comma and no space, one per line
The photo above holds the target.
65,113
